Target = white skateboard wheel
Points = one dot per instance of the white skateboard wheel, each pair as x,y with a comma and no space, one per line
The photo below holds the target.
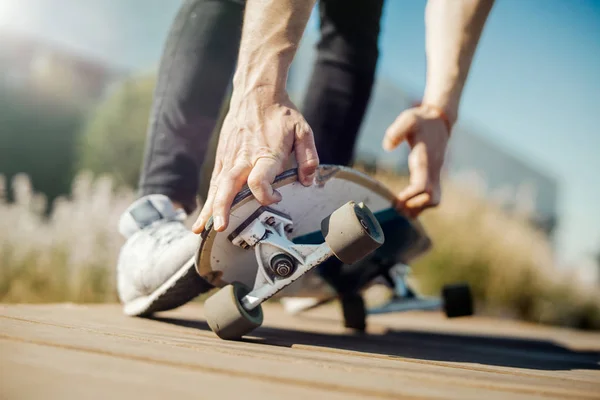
352,232
226,316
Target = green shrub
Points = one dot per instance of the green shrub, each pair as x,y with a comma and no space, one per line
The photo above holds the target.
112,141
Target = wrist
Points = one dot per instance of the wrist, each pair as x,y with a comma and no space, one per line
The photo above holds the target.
261,95
447,102
257,95
265,77
439,113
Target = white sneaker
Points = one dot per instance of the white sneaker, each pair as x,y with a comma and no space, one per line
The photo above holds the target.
156,270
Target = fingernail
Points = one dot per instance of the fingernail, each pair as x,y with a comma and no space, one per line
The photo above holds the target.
218,223
277,195
309,179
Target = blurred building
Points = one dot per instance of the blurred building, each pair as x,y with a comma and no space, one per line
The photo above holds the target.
37,66
472,158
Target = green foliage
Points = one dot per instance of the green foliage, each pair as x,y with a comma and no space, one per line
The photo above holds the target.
113,139
37,137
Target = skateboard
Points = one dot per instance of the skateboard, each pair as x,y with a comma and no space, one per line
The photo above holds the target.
343,228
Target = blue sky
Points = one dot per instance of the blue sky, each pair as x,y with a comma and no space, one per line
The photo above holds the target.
534,88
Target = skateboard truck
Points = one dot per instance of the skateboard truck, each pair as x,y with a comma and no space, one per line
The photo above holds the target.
280,261
351,232
456,299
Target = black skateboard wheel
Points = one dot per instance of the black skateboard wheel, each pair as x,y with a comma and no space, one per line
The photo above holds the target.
458,300
352,232
354,311
226,315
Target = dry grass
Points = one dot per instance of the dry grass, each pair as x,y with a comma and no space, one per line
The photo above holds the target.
70,255
509,265
67,256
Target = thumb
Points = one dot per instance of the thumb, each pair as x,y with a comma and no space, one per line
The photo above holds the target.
399,130
306,155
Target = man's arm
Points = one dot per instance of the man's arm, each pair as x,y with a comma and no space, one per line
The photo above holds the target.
270,36
262,127
453,28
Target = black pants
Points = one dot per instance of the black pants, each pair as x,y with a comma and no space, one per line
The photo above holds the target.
198,64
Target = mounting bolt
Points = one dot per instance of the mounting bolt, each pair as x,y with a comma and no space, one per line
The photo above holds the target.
270,221
282,265
244,245
289,228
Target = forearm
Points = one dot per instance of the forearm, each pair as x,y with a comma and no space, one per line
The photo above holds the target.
453,28
270,36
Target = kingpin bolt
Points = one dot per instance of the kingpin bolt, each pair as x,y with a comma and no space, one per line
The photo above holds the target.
282,265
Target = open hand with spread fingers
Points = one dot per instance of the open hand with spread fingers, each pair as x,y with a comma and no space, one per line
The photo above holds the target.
426,129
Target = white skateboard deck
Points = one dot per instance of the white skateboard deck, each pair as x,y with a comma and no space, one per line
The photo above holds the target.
221,262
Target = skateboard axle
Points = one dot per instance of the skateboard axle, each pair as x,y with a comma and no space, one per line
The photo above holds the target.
282,265
280,261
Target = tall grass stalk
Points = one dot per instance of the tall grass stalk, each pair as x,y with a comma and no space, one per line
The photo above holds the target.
69,255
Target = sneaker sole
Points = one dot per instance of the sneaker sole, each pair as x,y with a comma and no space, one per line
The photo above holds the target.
179,289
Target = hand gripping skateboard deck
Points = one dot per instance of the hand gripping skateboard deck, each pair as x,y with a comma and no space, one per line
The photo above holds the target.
266,249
